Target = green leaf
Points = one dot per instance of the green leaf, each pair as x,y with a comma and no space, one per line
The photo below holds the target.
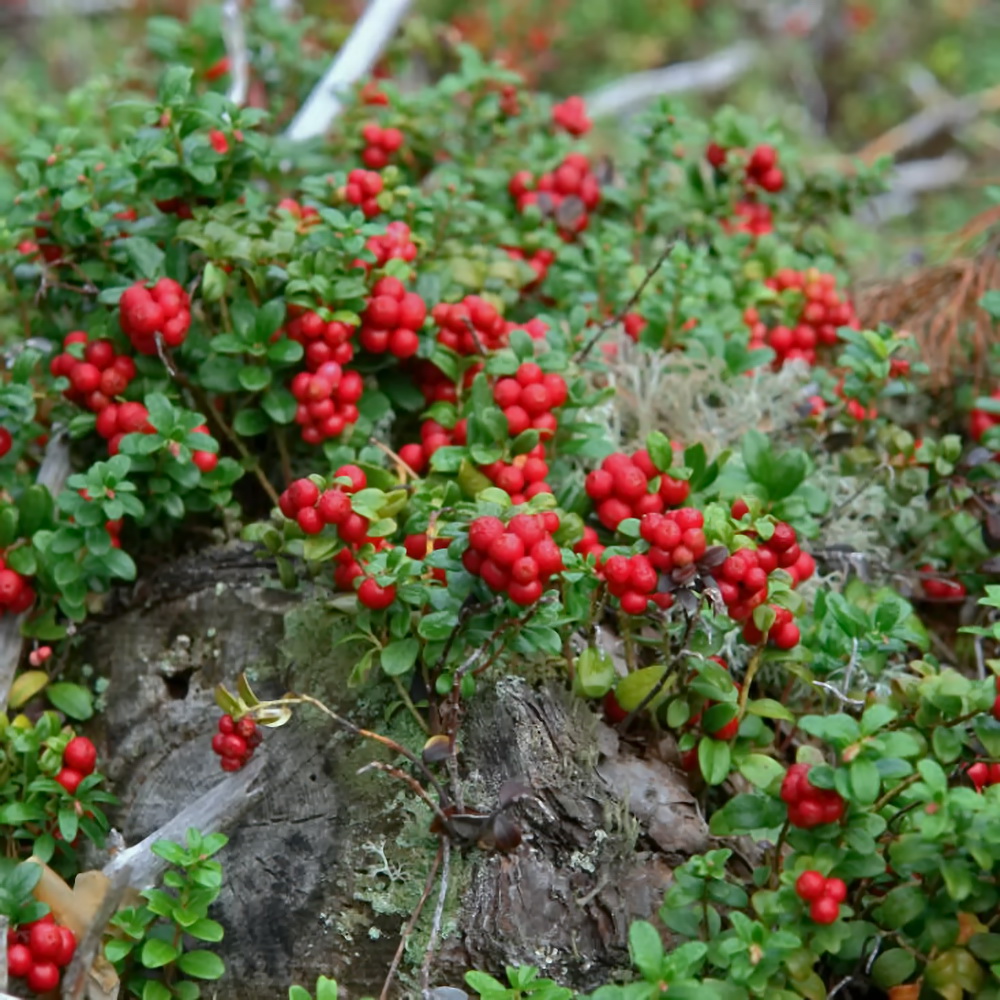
206,930
760,770
270,317
747,812
756,450
632,690
594,673
250,422
201,965
399,656
865,780
660,451
715,759
254,378
279,404
155,990
645,949
35,508
161,412
157,953
483,983
298,993
119,564
326,988
71,699
986,947
893,967
768,708
143,254
901,905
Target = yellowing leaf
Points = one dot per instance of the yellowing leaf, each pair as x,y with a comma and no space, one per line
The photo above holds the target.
26,686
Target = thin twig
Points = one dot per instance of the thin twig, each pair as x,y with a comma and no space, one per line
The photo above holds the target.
370,35
234,36
620,315
412,922
425,968
419,790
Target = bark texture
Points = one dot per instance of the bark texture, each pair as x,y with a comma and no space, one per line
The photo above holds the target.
325,866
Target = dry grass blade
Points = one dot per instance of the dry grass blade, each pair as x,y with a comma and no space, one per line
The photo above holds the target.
939,305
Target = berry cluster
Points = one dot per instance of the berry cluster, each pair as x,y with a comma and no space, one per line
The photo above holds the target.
471,326
539,261
436,386
523,477
380,144
306,215
433,435
751,217
95,380
824,895
118,419
322,341
621,488
821,313
571,116
37,951
573,178
517,559
362,189
528,398
236,741
393,244
327,401
79,761
303,502
391,320
589,544
633,580
809,806
164,309
939,588
981,774
762,170
16,594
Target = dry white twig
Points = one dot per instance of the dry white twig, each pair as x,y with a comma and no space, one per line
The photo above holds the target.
360,52
215,809
714,72
234,36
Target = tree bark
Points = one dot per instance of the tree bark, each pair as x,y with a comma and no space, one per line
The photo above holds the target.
325,866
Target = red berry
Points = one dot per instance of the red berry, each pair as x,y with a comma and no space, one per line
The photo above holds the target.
67,946
728,731
525,593
786,636
43,977
69,779
227,725
836,889
357,477
44,941
810,885
613,711
233,745
19,961
6,440
824,910
81,755
506,550
375,597
484,531
303,493
599,484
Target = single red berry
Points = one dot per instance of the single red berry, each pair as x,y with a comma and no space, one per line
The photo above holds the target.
357,477
824,910
227,725
303,493
835,889
44,941
69,779
613,711
6,441
67,946
19,960
81,755
484,531
810,885
377,598
43,977
246,727
979,774
727,732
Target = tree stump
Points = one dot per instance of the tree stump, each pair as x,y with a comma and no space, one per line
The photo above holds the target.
325,866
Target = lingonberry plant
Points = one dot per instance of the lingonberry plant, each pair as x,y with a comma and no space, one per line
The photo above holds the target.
494,394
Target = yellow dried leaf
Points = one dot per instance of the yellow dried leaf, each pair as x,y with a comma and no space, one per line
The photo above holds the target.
26,686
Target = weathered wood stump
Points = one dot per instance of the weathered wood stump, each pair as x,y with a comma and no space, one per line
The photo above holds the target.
325,866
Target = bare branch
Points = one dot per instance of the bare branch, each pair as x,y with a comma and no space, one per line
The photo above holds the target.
235,37
714,72
370,35
215,809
